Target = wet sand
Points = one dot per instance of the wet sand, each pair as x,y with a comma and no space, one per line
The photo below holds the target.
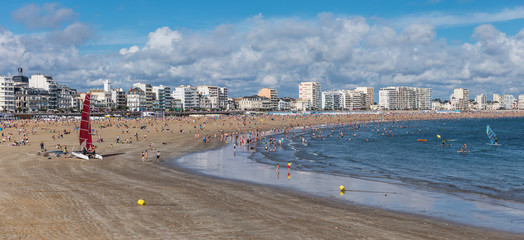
69,198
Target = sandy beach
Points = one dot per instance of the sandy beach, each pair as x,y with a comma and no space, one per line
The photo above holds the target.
68,198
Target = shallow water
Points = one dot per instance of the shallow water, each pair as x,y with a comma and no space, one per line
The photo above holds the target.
494,171
480,188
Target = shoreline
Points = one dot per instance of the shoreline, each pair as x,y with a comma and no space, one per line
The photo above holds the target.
392,196
67,198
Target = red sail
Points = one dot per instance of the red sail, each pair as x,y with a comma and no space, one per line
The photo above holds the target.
85,127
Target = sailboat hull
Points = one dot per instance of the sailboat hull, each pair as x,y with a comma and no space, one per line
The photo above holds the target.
80,155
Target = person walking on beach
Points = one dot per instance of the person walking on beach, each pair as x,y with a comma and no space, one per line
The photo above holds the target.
142,156
146,156
289,167
157,156
278,167
42,146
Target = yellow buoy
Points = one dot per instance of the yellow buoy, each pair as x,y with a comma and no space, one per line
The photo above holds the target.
342,188
141,202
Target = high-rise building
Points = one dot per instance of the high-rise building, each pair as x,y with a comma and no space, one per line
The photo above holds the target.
159,98
148,90
497,98
481,101
331,100
188,96
352,100
311,92
107,86
405,98
271,94
47,83
387,98
423,98
370,95
208,96
460,99
136,99
7,94
520,103
118,98
507,101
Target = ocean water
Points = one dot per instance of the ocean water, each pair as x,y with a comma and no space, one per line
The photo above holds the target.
393,154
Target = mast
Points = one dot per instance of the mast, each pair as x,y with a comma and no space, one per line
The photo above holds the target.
85,126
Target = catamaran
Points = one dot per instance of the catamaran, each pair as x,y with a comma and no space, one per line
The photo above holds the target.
86,143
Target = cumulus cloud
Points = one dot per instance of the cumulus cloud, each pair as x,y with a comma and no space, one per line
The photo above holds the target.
339,52
49,15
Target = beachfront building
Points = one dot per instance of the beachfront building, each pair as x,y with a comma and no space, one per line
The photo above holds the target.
481,102
285,103
312,93
100,98
271,94
370,96
118,98
254,102
136,100
31,99
159,98
47,83
352,100
331,100
188,96
387,98
423,98
405,98
148,90
223,98
67,98
460,99
520,102
208,97
508,101
497,98
7,94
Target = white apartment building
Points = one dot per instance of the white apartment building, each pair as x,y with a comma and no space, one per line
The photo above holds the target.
159,98
7,94
497,98
507,101
100,98
254,103
188,96
520,104
370,95
118,98
107,86
209,96
148,90
47,83
423,98
387,98
405,98
136,100
311,92
223,98
331,100
460,99
481,101
352,100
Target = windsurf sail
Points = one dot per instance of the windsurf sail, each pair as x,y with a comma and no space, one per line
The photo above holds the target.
491,134
85,127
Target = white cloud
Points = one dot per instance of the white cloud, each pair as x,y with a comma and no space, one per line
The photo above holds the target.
463,19
337,51
45,16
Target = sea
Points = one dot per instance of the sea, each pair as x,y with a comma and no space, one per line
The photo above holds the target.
399,165
393,152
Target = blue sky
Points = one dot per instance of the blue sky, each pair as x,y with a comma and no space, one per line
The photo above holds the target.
246,45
